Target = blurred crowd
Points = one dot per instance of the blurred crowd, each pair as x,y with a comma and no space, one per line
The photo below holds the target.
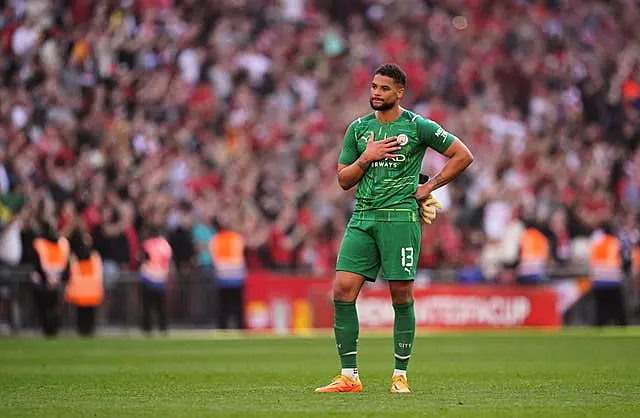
119,115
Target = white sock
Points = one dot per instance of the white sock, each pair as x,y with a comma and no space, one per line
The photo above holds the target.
398,372
350,373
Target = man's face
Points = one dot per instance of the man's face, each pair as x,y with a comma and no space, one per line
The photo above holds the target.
385,93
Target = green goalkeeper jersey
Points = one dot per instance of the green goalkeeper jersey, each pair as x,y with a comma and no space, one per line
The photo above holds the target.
391,183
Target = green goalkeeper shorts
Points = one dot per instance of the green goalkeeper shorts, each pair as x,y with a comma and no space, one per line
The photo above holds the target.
382,238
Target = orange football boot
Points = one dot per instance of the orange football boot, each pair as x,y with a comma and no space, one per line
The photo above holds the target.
341,384
400,385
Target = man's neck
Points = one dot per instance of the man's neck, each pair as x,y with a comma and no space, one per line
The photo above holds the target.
390,115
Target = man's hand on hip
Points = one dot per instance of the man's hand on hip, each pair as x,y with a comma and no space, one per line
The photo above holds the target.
427,205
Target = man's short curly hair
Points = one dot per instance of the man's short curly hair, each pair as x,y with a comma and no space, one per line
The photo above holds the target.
395,72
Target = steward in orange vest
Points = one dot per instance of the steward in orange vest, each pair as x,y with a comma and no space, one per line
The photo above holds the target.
606,276
534,256
85,289
635,266
227,251
51,270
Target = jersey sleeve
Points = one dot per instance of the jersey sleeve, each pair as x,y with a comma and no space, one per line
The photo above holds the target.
433,135
349,151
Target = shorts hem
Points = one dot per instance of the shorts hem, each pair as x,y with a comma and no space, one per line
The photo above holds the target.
366,277
398,279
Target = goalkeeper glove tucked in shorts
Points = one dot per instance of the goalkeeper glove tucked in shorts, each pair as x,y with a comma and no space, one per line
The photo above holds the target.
428,209
428,206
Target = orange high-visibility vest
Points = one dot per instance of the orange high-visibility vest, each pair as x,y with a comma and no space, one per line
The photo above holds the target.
534,253
85,287
53,256
227,251
635,260
606,263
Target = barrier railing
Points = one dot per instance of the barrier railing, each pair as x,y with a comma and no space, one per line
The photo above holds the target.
192,300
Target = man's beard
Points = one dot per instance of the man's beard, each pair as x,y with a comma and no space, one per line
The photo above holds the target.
382,106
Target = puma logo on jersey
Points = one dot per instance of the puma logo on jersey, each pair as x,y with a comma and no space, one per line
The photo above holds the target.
365,137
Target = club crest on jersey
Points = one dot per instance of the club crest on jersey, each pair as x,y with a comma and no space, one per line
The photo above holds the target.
403,140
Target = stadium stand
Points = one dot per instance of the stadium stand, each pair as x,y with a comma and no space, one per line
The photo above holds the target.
118,115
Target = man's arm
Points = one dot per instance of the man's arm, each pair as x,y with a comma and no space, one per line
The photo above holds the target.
350,175
459,159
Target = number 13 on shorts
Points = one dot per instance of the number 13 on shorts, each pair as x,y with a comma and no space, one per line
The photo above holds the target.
399,244
406,259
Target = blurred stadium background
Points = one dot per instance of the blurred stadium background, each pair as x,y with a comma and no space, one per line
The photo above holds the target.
121,115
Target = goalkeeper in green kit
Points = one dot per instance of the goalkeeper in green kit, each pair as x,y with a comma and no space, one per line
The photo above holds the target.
382,153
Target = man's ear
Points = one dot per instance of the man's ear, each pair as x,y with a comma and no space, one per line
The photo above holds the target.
400,93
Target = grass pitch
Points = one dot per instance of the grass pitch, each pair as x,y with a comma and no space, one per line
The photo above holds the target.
574,373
